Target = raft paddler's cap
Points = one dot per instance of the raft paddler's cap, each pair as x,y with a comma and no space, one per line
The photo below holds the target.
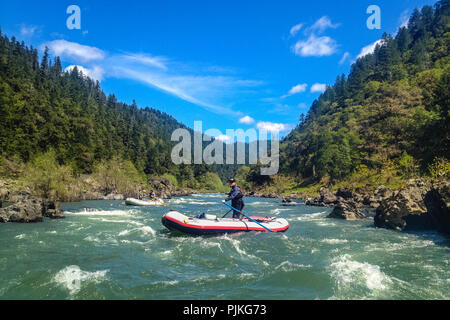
231,181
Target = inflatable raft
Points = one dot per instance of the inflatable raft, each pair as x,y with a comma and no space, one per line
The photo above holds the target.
211,224
138,202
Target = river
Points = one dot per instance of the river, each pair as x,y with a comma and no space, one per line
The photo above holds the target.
122,252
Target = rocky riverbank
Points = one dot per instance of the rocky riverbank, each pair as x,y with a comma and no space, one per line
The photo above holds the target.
31,210
420,205
25,207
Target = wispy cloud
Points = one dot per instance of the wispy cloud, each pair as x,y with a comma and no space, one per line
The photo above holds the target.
158,62
315,46
273,127
318,87
185,87
404,18
370,48
223,138
74,51
247,120
28,30
96,73
295,29
344,58
321,25
296,89
205,87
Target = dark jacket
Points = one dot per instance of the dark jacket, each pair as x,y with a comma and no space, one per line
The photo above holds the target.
235,194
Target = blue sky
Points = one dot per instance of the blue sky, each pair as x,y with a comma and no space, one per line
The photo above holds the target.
232,64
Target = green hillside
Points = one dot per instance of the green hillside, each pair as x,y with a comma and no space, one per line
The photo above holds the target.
47,111
389,119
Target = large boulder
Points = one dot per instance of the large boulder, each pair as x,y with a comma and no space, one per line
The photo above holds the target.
327,197
163,187
345,194
31,210
437,202
347,210
380,194
22,212
52,210
406,209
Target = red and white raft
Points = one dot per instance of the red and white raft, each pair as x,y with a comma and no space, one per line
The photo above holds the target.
211,224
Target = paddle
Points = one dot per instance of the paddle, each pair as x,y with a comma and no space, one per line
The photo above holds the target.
226,214
247,216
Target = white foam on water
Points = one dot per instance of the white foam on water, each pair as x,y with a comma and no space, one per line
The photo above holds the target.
288,266
117,221
73,278
208,195
92,239
334,241
101,213
349,274
235,244
210,244
20,236
325,224
312,216
257,203
166,283
124,233
190,201
144,230
148,230
277,211
51,232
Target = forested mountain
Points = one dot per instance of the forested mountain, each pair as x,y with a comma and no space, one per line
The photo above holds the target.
42,107
391,112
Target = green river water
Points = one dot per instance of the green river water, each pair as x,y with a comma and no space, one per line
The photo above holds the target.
125,252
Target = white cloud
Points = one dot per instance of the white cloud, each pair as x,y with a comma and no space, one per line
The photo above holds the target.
247,120
158,62
96,73
198,90
296,89
321,25
344,58
295,29
75,51
302,105
370,48
404,18
216,93
272,127
27,31
315,46
318,87
223,138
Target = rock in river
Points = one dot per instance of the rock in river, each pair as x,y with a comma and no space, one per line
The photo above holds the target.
31,210
23,212
406,209
347,211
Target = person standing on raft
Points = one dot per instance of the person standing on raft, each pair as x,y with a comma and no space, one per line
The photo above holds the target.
236,196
